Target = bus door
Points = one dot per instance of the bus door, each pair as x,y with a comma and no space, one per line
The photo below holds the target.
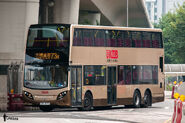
111,86
76,85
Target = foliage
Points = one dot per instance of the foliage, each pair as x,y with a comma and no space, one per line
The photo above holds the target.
169,87
173,26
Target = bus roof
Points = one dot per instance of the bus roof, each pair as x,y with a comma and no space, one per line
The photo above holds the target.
101,27
40,25
116,28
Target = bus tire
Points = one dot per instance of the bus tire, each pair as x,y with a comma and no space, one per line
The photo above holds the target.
147,99
137,99
88,102
46,108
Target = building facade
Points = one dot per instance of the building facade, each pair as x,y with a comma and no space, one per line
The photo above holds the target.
157,8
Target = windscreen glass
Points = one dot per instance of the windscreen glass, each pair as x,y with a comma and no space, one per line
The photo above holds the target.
47,57
48,36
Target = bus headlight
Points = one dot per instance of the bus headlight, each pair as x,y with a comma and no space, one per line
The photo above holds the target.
27,94
61,95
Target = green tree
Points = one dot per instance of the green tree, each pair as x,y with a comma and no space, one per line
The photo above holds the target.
173,26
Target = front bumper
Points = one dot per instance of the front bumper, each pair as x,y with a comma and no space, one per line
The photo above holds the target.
37,99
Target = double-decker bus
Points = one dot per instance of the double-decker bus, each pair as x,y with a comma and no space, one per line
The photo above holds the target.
93,66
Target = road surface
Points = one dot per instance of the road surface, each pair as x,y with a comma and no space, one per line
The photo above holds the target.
158,113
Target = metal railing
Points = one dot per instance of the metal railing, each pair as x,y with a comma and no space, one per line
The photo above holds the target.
15,77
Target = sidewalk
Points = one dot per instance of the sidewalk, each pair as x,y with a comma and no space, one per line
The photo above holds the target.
168,121
168,94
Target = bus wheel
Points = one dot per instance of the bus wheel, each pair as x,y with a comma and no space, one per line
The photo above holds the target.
88,102
137,99
147,99
46,108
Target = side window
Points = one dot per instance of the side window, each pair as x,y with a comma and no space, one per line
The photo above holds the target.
89,75
88,37
116,38
94,75
124,75
160,40
111,38
121,75
138,74
147,74
155,40
136,39
155,74
120,38
144,74
77,37
128,74
99,38
127,39
146,39
135,72
100,73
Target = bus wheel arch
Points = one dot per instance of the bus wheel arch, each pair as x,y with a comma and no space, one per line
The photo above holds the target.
88,100
137,98
147,99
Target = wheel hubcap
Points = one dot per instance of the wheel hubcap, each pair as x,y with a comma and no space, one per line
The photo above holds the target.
147,99
87,102
137,100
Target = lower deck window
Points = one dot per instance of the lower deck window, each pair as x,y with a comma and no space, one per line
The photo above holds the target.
94,75
138,74
124,75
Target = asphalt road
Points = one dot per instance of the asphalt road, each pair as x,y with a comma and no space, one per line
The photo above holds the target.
158,113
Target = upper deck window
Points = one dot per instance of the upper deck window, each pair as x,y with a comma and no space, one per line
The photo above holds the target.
127,39
146,37
120,38
87,38
136,39
111,38
117,38
48,36
77,38
156,40
99,38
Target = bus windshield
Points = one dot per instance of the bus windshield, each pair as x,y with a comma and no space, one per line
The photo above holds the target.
47,57
45,73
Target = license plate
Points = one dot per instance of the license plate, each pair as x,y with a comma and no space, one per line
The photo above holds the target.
45,103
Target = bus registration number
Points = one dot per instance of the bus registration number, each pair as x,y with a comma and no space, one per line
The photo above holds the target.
45,103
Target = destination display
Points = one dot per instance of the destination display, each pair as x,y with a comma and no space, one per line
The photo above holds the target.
47,56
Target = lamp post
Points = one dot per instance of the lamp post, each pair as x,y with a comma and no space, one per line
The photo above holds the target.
127,13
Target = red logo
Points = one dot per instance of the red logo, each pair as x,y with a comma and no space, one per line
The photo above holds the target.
112,54
44,92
